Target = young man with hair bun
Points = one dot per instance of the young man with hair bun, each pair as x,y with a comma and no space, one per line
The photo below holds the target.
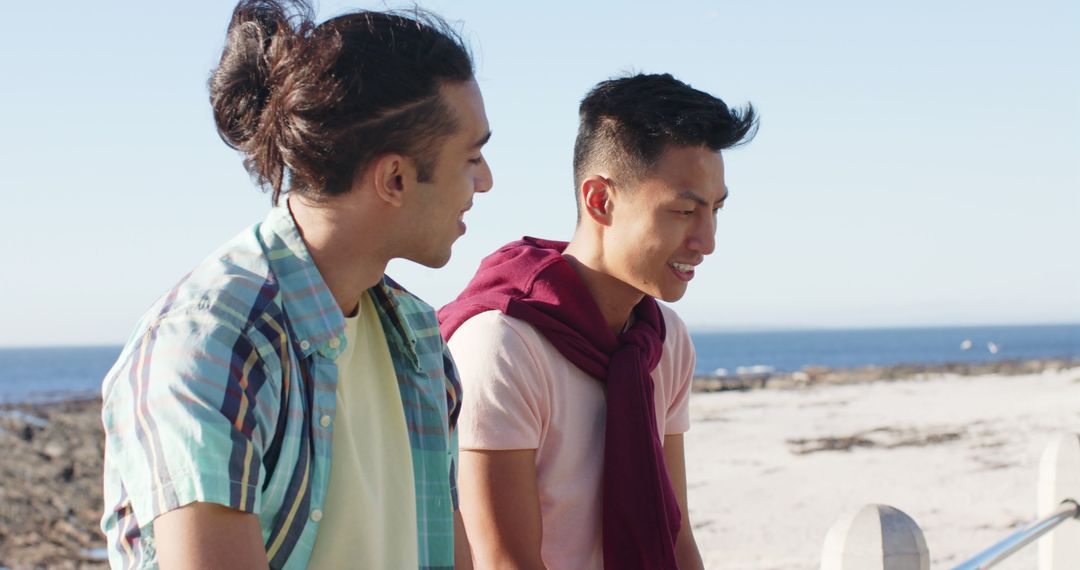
286,404
577,380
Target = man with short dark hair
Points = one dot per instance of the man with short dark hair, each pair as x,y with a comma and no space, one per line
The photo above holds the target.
577,380
287,405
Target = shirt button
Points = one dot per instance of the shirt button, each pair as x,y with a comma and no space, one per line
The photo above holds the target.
324,421
335,342
304,345
316,515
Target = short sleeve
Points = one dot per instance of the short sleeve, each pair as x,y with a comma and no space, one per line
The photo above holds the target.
503,405
185,415
682,349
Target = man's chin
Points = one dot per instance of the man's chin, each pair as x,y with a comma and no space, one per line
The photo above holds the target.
439,264
671,295
434,260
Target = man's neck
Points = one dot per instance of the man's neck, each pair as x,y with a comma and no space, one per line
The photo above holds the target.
348,258
615,298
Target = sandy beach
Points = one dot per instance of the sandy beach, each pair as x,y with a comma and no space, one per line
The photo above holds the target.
958,454
769,470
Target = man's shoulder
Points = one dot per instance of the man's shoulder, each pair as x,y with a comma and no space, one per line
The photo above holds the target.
674,324
496,327
407,300
233,285
215,310
417,315
679,356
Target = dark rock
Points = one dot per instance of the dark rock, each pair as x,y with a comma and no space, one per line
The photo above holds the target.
67,473
51,496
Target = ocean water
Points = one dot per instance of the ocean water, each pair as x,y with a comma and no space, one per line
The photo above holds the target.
43,374
53,373
788,351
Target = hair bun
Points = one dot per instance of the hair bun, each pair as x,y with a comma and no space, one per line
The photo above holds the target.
239,86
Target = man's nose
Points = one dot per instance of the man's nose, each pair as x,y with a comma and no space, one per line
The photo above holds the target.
485,181
703,237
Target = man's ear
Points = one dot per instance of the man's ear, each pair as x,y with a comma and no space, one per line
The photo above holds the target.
392,174
596,193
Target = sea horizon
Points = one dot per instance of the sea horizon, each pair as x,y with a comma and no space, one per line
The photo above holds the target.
694,330
49,373
793,350
706,329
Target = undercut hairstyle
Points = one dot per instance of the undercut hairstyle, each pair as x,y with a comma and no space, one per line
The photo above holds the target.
628,122
313,105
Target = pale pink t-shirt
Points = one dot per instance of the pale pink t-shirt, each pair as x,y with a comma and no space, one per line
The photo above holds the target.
520,393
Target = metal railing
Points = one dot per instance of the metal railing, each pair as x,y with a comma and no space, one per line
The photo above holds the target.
1069,509
880,537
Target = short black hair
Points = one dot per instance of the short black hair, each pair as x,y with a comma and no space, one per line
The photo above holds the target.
315,104
627,122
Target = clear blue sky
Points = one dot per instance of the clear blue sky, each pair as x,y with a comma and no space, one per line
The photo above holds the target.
918,163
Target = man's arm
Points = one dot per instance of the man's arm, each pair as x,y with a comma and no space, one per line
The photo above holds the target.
462,552
206,536
500,503
686,549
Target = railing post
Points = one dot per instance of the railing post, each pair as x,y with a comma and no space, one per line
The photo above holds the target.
1059,479
876,537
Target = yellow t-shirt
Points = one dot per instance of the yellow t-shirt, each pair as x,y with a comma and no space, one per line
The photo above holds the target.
369,520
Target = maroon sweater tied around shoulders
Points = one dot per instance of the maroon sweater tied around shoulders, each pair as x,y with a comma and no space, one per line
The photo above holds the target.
530,280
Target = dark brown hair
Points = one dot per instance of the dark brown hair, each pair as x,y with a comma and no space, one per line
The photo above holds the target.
316,104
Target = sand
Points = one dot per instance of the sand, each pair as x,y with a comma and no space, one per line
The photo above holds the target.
959,455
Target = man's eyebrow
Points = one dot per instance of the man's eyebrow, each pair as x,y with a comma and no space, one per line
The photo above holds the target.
689,195
692,196
483,140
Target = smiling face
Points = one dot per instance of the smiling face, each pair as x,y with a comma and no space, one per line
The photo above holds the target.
439,205
664,225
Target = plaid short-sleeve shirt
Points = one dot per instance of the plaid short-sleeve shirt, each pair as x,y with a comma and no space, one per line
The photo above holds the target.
226,394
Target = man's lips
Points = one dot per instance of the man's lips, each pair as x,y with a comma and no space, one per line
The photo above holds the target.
684,271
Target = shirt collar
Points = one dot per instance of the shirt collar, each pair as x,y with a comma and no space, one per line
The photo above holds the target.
313,312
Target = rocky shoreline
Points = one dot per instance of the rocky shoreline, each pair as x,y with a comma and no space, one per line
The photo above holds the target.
822,376
51,495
